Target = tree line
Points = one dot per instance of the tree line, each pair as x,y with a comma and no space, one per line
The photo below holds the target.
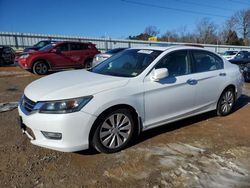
235,31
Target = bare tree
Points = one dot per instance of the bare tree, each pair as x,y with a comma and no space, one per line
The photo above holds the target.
151,30
228,26
206,30
170,36
242,21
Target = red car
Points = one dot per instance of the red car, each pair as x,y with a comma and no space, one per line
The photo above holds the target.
59,55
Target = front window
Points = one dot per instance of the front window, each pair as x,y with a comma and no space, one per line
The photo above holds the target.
177,63
63,47
129,63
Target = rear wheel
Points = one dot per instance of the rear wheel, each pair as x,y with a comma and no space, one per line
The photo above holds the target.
226,102
114,132
88,64
40,68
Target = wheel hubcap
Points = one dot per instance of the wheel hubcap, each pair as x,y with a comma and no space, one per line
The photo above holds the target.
41,68
115,130
227,102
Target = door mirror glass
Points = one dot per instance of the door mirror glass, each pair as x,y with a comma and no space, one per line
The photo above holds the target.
158,74
56,50
53,50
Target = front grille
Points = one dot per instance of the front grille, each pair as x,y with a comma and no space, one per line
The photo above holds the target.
28,104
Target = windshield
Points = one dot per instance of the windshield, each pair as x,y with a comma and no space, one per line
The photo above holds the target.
128,63
114,51
41,44
48,47
230,52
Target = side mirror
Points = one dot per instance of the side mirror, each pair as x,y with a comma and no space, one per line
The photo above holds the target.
158,74
56,50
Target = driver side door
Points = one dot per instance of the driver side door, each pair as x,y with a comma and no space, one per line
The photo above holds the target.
61,58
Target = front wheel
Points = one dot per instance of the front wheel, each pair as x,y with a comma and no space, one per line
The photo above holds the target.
40,68
1,62
114,132
226,102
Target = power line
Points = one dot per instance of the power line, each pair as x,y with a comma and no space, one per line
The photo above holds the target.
203,5
239,2
173,9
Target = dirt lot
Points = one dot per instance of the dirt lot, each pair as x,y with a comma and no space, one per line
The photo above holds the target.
203,151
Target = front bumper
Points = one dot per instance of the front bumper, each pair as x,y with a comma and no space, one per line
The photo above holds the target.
74,127
23,63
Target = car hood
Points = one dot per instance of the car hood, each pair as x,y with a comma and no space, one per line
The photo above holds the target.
37,52
238,61
71,84
30,49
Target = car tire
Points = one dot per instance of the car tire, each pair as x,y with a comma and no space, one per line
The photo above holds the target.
1,62
226,102
40,68
88,64
114,131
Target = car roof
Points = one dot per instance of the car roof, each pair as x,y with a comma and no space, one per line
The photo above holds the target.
61,42
160,48
47,41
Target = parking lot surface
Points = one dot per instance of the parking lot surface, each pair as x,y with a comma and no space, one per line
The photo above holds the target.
202,151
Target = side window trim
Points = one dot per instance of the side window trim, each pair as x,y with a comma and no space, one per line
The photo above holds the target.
204,51
188,58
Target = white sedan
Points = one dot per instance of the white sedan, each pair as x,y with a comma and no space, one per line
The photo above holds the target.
107,106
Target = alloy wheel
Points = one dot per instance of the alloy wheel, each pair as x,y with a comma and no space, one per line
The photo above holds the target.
227,102
40,68
115,131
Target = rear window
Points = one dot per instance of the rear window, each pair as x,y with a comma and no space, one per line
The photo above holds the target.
206,61
79,46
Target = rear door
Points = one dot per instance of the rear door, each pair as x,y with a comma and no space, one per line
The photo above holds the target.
210,77
79,52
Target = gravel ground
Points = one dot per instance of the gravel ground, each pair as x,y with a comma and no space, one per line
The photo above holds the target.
202,151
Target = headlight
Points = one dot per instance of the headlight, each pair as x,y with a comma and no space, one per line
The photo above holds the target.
62,106
24,56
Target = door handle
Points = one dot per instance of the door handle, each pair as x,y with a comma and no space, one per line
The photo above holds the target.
192,82
222,74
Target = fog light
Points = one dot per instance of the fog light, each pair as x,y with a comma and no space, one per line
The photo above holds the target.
51,135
